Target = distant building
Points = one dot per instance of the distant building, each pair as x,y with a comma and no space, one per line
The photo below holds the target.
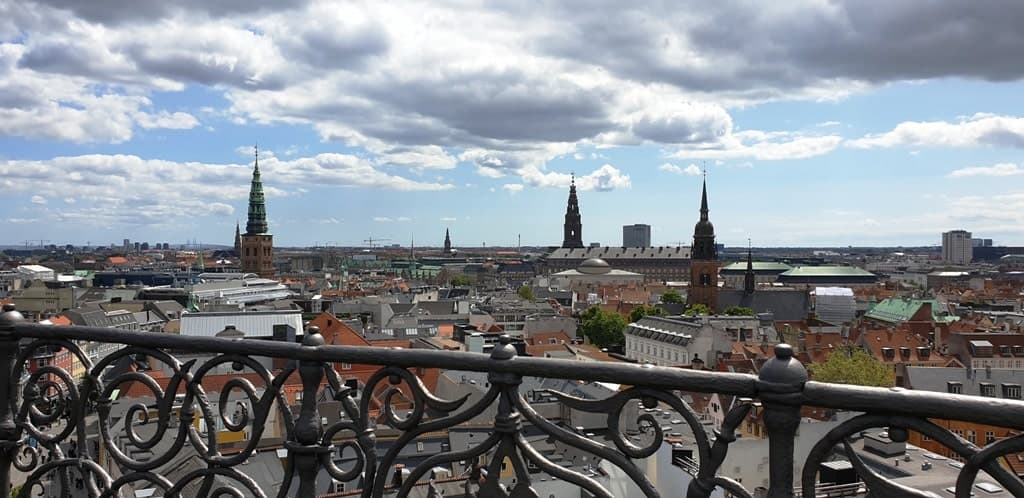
655,263
447,242
828,276
595,273
573,228
835,305
957,248
638,235
704,263
734,275
257,242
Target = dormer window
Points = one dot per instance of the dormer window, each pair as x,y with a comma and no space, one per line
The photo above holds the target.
1011,391
954,388
987,389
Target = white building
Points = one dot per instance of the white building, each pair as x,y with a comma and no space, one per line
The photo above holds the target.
35,272
835,305
673,341
284,324
956,247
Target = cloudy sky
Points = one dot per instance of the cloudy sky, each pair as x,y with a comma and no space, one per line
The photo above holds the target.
819,122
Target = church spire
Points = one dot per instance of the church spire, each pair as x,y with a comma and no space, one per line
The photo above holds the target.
749,279
447,242
257,223
573,228
238,239
704,199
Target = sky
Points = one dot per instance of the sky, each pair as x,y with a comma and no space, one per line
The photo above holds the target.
819,123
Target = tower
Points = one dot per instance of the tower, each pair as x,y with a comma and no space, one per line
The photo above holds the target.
238,240
447,242
749,279
573,237
704,259
257,244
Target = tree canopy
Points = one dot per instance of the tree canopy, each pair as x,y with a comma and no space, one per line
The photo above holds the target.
603,328
697,309
526,292
643,310
852,365
460,281
738,311
672,296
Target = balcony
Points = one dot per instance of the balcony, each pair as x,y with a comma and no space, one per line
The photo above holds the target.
88,436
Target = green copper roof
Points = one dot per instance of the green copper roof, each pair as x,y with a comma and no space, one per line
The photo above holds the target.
898,310
763,266
257,223
828,271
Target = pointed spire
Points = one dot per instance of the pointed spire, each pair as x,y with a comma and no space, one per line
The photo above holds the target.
573,228
447,242
257,223
704,198
749,279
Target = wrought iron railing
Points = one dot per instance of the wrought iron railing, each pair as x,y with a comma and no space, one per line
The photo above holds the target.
48,410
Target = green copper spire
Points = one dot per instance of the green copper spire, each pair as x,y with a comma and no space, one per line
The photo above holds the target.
257,207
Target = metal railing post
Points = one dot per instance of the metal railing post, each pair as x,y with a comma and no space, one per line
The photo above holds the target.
780,386
8,394
308,428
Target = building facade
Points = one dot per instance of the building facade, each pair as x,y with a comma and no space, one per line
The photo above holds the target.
638,235
957,248
257,243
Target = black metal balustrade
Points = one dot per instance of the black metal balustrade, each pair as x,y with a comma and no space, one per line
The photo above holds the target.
49,407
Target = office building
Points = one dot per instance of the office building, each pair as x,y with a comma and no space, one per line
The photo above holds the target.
638,235
957,248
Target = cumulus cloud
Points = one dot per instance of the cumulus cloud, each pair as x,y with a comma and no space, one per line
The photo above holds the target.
1001,169
979,129
125,189
691,170
605,178
513,188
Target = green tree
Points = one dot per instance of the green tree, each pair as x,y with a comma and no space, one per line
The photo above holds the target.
671,296
697,309
603,328
526,292
460,281
643,310
852,365
738,311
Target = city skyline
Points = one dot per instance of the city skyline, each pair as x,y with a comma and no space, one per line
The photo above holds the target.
858,125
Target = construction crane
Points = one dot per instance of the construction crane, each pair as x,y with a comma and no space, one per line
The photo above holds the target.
42,242
371,241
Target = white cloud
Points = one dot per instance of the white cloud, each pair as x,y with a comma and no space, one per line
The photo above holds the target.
976,130
38,199
166,120
513,188
1001,169
129,190
691,170
449,218
764,146
605,178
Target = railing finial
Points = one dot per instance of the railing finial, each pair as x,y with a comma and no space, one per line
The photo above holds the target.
9,433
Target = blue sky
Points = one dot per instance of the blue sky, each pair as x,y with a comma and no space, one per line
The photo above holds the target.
819,124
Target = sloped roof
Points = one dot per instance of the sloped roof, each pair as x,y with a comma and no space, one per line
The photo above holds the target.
899,310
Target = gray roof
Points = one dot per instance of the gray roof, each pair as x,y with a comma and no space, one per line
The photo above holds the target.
937,379
609,253
784,304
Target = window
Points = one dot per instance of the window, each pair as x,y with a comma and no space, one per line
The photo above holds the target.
988,390
989,437
972,437
1011,391
954,388
298,396
346,366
